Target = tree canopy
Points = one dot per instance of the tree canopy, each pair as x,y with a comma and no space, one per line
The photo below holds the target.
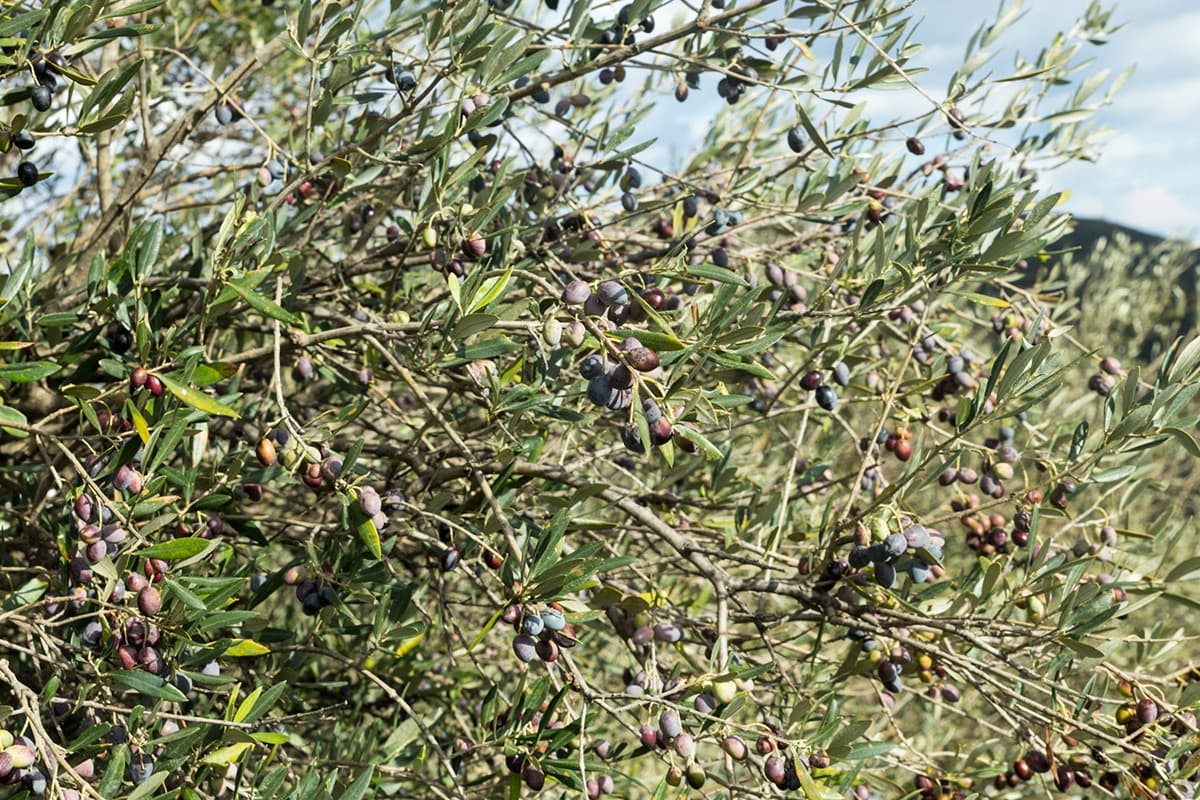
390,407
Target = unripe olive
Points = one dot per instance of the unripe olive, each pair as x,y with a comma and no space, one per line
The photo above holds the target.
20,755
552,332
265,452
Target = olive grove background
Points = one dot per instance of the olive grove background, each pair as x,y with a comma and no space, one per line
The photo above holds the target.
378,421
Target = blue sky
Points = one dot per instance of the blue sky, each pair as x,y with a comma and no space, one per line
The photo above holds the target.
1148,172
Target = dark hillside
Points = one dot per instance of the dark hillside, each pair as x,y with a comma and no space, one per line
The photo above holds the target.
1166,270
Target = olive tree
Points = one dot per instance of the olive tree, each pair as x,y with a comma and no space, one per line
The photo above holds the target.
385,413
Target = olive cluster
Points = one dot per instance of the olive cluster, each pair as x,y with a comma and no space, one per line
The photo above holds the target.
371,505
19,764
779,765
47,73
786,288
623,30
611,384
826,396
539,634
99,537
670,734
932,788
1101,382
917,551
639,628
138,640
313,596
1036,762
527,763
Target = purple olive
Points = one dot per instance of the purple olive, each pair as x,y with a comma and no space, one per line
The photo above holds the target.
685,745
774,770
534,778
643,359
666,632
149,601
95,552
81,571
84,508
632,439
123,477
649,736
303,370
547,650
475,246
576,293
113,534
612,293
735,748
669,723
599,390
553,619
369,501
128,656
27,173
661,431
525,647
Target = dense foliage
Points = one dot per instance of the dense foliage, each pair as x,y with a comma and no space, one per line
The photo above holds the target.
385,414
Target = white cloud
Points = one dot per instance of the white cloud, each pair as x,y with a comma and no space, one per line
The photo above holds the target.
1158,208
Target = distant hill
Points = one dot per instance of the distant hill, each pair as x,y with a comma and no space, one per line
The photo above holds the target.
1088,231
